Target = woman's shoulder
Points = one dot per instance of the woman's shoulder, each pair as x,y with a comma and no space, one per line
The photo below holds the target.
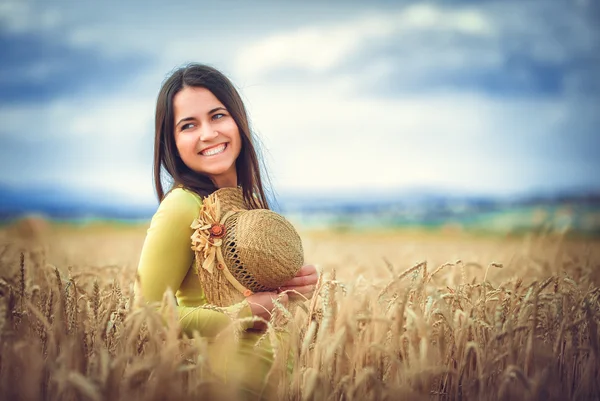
182,196
180,202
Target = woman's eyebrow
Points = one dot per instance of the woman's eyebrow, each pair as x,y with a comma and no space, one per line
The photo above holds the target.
192,118
185,119
217,108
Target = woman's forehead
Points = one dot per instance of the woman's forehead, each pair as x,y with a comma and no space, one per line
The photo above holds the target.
194,100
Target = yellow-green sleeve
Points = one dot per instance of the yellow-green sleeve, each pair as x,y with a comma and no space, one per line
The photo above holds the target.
167,257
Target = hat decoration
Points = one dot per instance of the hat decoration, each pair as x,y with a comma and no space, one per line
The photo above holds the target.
208,239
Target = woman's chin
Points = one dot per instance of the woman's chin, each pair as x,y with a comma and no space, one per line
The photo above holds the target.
220,172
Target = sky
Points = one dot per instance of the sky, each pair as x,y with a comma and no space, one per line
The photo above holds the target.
494,97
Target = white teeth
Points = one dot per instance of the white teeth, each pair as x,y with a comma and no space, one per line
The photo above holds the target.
213,151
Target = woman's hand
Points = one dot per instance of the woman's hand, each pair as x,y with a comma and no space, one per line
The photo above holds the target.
261,305
304,283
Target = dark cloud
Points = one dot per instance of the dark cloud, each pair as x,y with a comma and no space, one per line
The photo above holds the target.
37,68
515,76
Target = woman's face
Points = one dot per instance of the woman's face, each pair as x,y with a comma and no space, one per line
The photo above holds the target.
206,136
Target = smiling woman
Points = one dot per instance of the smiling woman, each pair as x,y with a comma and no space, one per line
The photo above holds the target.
208,140
204,144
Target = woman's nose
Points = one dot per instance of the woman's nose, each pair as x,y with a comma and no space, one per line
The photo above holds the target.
207,133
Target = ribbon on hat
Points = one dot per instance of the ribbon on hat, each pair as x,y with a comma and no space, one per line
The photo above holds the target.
209,230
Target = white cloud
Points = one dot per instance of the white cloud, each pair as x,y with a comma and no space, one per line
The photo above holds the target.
318,138
116,115
133,185
322,48
428,16
22,16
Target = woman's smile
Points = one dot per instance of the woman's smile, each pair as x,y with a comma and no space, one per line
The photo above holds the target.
214,150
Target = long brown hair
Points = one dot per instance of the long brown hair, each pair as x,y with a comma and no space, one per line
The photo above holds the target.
166,156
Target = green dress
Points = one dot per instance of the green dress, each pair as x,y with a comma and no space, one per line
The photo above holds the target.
167,261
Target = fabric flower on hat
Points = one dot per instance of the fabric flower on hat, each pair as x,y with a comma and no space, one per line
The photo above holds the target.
208,233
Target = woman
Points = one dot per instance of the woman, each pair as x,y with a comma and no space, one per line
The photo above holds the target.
203,142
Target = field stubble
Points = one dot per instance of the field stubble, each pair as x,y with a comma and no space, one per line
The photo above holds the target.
425,316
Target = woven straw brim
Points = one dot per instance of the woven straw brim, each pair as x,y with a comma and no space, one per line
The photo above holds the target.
266,251
261,249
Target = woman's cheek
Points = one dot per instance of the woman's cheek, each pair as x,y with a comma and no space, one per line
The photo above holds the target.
187,146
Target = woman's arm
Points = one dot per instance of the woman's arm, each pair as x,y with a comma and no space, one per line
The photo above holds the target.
166,258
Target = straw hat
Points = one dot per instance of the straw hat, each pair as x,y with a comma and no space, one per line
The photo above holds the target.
241,251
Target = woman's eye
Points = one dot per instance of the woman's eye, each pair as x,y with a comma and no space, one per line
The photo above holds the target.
218,116
186,126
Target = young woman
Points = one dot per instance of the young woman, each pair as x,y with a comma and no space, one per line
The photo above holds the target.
203,142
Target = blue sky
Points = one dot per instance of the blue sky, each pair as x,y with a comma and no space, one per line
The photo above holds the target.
495,97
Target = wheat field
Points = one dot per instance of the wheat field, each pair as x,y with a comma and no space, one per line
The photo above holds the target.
397,315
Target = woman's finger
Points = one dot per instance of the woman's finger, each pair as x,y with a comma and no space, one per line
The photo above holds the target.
307,275
305,289
300,281
307,270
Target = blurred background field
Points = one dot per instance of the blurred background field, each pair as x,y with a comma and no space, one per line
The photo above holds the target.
116,246
418,313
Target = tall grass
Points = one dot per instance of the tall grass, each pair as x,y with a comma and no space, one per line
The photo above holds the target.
521,328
